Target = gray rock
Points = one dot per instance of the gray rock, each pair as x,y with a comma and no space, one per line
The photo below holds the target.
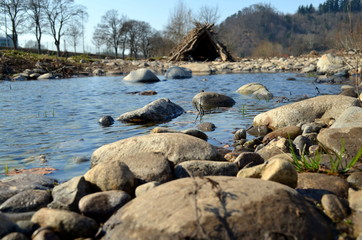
223,204
142,189
26,201
329,63
44,234
46,76
111,175
178,73
141,75
191,132
100,206
351,117
106,121
327,106
289,132
198,68
256,90
6,226
355,199
206,127
10,186
355,179
302,144
335,208
240,134
67,195
274,147
315,185
160,110
176,148
258,131
343,141
312,128
248,159
209,100
199,168
66,224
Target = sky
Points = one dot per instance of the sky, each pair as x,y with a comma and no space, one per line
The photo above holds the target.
156,12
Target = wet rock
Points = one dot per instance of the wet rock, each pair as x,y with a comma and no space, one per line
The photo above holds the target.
15,236
148,93
315,185
10,186
289,132
329,63
351,117
141,75
146,187
258,131
6,226
100,206
160,110
335,208
178,73
274,147
256,90
326,106
222,202
248,159
111,175
240,134
209,100
206,126
66,224
191,132
67,195
26,201
355,179
199,168
106,121
176,148
339,139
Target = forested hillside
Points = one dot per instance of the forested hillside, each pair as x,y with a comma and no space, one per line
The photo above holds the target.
260,30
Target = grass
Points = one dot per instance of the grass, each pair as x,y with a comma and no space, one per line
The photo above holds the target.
338,165
243,110
6,168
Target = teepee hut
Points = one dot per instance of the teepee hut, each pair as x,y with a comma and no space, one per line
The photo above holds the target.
200,44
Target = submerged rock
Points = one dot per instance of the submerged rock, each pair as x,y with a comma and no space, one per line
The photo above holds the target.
178,73
141,75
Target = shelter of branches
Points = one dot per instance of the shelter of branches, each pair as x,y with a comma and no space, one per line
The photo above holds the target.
200,45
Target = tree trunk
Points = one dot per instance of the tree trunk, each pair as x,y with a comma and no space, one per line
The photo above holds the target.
57,44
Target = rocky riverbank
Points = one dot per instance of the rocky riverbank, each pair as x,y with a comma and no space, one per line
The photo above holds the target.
298,177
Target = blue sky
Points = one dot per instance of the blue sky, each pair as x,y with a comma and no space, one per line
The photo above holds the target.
156,12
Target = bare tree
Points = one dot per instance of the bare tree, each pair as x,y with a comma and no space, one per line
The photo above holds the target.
208,15
108,31
145,36
74,33
15,10
60,13
179,23
36,12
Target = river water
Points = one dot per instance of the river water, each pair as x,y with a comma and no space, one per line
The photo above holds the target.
58,118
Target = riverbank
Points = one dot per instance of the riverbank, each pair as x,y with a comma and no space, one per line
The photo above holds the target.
295,178
16,65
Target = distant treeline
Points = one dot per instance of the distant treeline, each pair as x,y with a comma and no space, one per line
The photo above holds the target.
332,6
262,31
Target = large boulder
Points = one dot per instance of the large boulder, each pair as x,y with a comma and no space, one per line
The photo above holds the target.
161,110
178,73
176,147
256,90
209,100
327,106
351,117
329,63
343,141
218,208
141,75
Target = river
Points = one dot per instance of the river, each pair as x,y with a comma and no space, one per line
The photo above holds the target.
59,118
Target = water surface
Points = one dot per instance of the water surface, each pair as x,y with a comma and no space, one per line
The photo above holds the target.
58,118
